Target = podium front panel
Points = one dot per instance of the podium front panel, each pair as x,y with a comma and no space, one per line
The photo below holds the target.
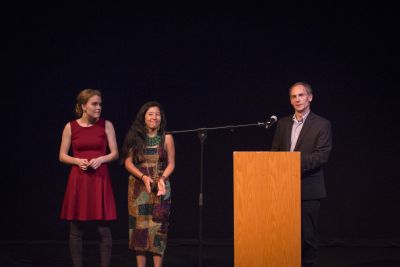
267,222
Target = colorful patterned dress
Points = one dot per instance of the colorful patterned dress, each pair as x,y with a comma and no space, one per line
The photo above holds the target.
148,213
89,194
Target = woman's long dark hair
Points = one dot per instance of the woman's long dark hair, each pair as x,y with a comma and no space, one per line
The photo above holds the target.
135,139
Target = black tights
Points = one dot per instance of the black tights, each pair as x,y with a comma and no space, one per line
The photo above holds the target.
75,242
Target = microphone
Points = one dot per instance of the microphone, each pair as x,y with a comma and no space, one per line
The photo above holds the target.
271,121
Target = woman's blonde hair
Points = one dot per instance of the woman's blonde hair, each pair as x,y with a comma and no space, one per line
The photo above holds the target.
82,98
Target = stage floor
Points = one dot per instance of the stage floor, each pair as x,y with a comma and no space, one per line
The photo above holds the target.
183,253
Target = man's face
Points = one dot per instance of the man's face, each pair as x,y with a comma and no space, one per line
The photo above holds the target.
300,99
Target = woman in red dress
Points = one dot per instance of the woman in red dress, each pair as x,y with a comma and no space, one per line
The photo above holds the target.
89,195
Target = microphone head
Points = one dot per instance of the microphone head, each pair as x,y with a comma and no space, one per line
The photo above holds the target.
271,121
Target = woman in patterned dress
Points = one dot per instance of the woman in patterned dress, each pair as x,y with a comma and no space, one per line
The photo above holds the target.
149,157
89,195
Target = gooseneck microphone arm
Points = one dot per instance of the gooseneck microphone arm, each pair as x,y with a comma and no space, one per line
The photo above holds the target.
267,125
271,121
230,127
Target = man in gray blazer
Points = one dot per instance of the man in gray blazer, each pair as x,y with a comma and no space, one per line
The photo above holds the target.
310,134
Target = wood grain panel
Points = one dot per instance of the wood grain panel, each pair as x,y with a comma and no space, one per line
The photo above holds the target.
267,209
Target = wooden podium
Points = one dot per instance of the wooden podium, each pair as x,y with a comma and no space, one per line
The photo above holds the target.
267,209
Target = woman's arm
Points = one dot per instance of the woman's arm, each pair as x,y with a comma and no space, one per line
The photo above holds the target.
63,156
131,168
170,148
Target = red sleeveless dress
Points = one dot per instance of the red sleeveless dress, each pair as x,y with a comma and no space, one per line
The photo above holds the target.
89,194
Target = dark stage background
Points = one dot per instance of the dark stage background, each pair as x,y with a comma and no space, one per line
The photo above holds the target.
208,66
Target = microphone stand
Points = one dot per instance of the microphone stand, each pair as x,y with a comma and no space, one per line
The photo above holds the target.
202,134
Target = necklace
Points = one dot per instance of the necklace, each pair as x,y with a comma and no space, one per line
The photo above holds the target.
153,141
